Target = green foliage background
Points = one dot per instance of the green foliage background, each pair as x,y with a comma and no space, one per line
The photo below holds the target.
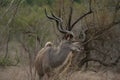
30,17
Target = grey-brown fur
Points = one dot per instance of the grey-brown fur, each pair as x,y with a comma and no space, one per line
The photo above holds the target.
50,58
39,57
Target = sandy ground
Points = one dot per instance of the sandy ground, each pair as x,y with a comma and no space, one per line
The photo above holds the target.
22,73
14,73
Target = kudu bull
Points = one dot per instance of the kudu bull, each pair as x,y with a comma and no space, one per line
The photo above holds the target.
50,57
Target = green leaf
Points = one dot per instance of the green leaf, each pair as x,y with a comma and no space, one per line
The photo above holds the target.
78,1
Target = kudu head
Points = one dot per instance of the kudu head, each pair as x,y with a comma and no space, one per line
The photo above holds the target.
68,35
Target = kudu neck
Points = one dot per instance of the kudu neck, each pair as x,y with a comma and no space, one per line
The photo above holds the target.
61,54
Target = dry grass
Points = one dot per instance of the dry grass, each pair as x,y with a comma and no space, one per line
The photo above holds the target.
95,76
22,73
15,73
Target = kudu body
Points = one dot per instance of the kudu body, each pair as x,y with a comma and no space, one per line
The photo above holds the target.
51,57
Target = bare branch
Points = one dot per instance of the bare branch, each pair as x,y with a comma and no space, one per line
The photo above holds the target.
15,11
81,17
11,3
9,21
99,33
29,33
117,7
85,60
7,43
24,46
